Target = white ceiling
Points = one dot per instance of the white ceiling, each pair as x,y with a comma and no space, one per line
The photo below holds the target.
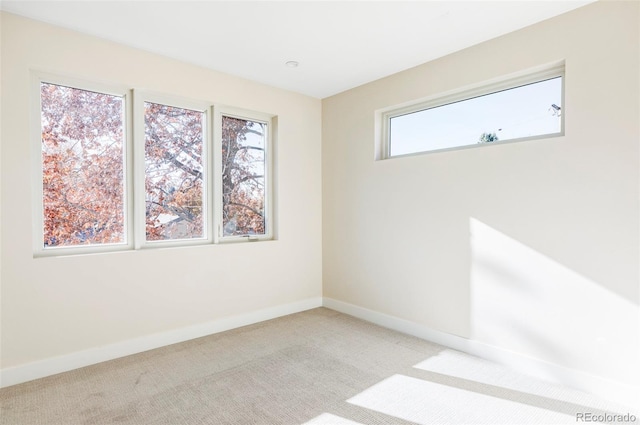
339,44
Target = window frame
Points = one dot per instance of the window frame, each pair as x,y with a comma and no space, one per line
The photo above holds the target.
37,79
269,119
139,99
532,76
134,168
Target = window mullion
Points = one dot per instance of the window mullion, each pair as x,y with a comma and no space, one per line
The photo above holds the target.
138,168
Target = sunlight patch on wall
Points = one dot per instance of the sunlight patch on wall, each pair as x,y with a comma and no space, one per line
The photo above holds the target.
524,301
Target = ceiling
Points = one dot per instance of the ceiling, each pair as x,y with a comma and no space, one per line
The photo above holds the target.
338,44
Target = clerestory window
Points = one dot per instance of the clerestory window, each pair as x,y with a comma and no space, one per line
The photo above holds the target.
529,107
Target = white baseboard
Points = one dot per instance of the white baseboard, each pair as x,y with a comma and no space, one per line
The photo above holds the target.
602,387
51,366
599,386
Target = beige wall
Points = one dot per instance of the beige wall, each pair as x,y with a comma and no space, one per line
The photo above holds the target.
56,306
531,247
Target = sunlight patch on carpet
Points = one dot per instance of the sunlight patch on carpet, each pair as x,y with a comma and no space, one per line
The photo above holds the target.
329,419
425,402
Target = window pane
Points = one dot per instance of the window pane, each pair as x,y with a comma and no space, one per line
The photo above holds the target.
173,172
243,176
530,110
83,142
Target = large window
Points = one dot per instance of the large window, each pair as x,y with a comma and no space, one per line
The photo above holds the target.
174,164
244,170
189,188
519,109
83,142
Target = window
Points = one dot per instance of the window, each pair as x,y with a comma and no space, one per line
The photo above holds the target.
83,167
524,108
245,180
175,182
192,173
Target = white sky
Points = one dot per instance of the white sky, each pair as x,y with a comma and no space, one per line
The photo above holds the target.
511,114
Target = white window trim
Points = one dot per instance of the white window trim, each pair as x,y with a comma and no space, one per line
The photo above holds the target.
228,111
384,116
37,78
134,170
139,98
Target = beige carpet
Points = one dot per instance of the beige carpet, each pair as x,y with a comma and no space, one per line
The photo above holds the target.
316,367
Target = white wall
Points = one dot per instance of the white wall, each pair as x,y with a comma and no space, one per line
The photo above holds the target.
530,247
58,306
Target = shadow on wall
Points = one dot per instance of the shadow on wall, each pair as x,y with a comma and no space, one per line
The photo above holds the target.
523,301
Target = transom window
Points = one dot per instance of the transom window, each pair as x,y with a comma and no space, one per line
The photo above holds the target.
525,108
189,188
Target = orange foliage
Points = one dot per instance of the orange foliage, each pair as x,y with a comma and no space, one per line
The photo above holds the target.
83,180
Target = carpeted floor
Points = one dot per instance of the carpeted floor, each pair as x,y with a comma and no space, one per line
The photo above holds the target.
316,367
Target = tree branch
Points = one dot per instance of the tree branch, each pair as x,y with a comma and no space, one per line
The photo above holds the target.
247,207
245,178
